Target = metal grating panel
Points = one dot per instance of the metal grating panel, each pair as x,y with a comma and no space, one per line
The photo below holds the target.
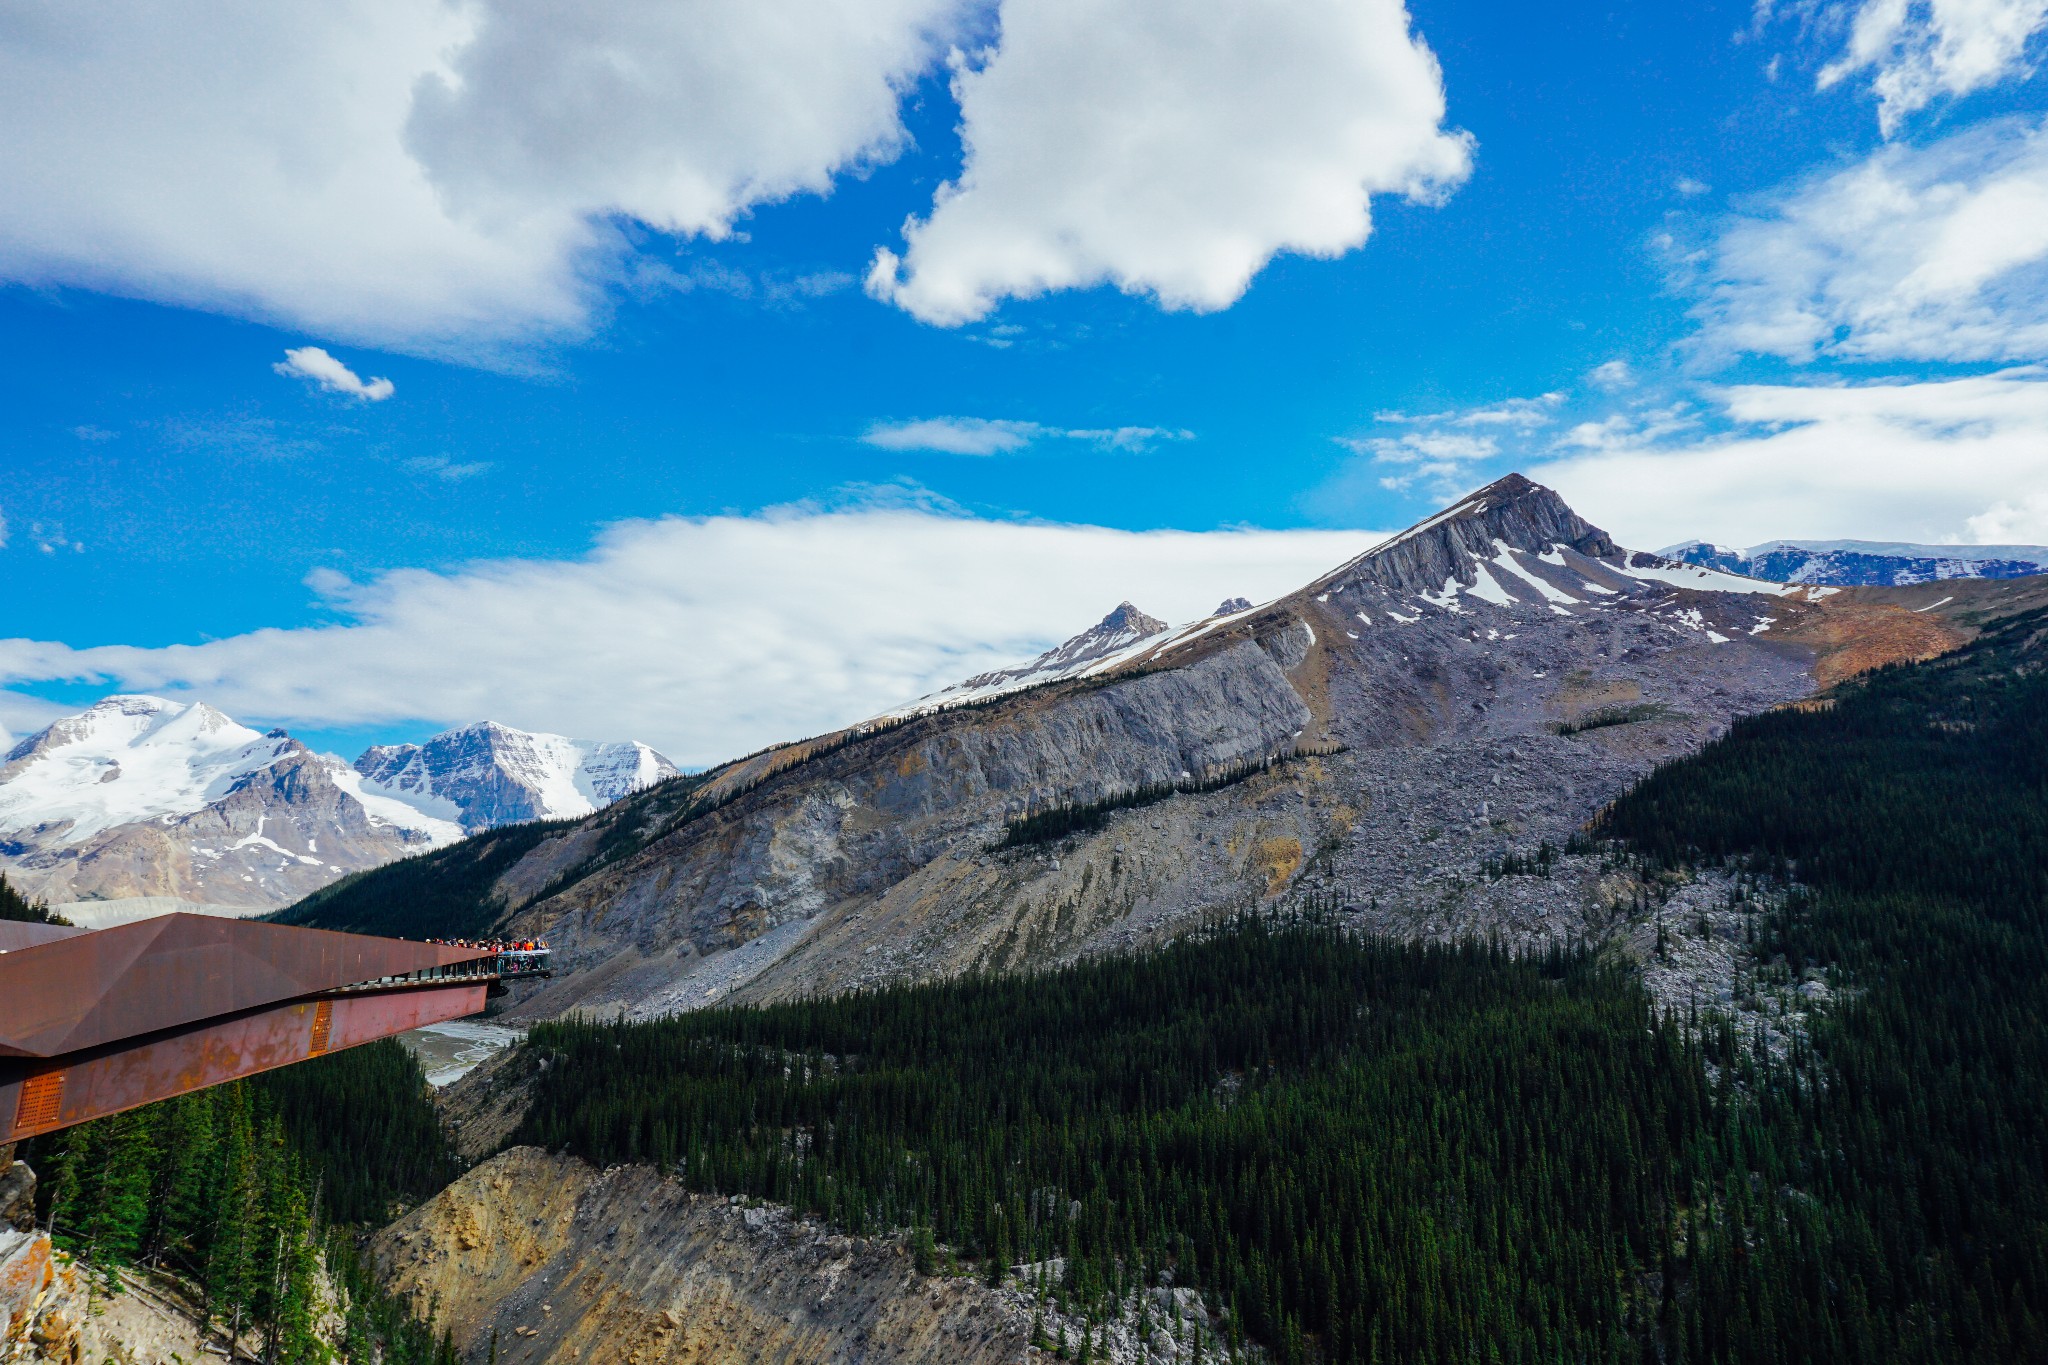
41,1098
323,1024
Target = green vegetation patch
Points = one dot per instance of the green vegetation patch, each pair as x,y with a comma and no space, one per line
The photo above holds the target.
17,907
449,893
1371,1150
247,1190
1908,1152
1610,715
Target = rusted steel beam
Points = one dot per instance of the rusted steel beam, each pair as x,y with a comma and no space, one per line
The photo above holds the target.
43,1095
69,994
95,1023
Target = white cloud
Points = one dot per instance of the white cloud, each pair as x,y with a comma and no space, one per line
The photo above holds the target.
1921,50
2024,521
953,435
439,177
1611,375
705,637
1172,150
1936,253
447,470
986,436
315,365
1942,460
1433,455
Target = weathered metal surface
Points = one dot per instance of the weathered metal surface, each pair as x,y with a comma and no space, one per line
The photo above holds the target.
80,992
40,1096
18,934
95,1023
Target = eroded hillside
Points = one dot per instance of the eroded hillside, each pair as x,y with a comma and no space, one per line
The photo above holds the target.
1374,737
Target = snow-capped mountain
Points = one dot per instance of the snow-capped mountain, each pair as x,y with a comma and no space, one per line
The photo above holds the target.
488,774
140,797
1846,563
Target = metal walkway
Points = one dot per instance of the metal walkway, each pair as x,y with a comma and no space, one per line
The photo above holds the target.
95,1022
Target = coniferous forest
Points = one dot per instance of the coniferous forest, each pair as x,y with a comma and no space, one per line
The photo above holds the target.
249,1190
1370,1151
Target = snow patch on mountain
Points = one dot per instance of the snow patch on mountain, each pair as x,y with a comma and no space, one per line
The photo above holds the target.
1847,563
489,774
1122,635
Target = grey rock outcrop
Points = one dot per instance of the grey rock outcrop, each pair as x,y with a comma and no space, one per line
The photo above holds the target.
560,1261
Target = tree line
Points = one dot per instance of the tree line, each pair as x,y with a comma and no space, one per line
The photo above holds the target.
248,1191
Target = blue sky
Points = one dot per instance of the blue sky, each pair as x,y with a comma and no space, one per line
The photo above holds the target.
1724,270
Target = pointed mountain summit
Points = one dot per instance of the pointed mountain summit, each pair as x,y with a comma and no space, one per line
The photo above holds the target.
142,804
1102,645
1480,683
1515,543
1512,512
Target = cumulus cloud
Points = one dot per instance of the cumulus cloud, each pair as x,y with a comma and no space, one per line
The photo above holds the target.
986,436
1920,50
470,179
1935,253
436,177
314,364
1172,150
1930,460
706,637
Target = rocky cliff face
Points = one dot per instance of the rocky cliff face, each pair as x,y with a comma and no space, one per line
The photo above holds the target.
563,1262
1390,726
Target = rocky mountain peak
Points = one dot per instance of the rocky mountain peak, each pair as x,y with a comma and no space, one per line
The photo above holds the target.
1125,620
1097,646
1511,513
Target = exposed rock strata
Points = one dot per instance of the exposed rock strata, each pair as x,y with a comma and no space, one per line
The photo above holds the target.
562,1262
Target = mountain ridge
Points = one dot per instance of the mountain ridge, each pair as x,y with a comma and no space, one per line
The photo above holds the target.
139,798
1383,727
1846,563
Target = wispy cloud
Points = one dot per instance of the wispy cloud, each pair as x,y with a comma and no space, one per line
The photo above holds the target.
1433,452
989,436
315,365
1931,253
445,469
703,636
1611,375
1921,50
